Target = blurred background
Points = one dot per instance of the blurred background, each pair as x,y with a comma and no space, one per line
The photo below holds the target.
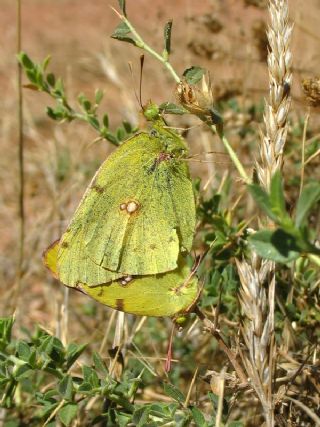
225,36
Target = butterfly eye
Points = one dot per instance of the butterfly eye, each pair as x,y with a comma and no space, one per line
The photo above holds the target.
154,133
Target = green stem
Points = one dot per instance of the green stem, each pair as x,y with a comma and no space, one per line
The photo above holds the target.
314,258
141,43
232,154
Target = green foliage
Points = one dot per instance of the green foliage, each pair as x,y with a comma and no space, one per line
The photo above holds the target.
42,373
63,111
193,75
292,238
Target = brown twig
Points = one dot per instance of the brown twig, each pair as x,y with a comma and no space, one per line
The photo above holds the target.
223,346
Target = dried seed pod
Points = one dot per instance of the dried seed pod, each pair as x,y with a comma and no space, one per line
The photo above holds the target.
311,89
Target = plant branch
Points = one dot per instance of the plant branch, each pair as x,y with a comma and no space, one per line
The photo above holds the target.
223,346
144,46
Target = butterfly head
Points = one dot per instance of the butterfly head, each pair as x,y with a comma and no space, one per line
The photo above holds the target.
151,111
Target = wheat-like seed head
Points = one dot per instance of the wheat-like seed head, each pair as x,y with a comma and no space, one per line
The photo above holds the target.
278,104
258,278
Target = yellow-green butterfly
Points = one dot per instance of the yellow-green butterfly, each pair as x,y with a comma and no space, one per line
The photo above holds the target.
161,295
137,215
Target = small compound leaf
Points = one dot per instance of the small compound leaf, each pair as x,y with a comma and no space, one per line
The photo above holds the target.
309,196
277,246
193,75
198,417
67,413
171,108
173,392
167,37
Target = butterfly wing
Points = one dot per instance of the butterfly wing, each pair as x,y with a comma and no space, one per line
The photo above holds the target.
132,216
162,295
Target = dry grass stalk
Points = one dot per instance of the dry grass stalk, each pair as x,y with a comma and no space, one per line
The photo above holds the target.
258,278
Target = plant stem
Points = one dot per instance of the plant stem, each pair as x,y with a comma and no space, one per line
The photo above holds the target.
232,154
223,346
20,159
142,45
305,127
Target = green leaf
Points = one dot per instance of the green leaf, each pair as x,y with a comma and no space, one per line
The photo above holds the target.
99,363
59,87
121,33
167,37
73,353
110,137
94,122
261,197
277,246
23,371
198,417
23,351
120,132
46,62
277,200
6,324
173,392
127,127
25,61
51,79
90,376
193,75
171,108
140,416
309,196
105,120
122,5
66,387
67,413
98,96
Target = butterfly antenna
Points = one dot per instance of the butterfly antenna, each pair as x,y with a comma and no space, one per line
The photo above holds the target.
140,83
133,84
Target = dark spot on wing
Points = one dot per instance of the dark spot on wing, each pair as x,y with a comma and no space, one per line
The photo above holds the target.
100,293
153,246
119,304
98,188
171,239
64,244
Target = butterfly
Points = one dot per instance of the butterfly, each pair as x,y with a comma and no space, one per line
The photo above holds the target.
136,217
